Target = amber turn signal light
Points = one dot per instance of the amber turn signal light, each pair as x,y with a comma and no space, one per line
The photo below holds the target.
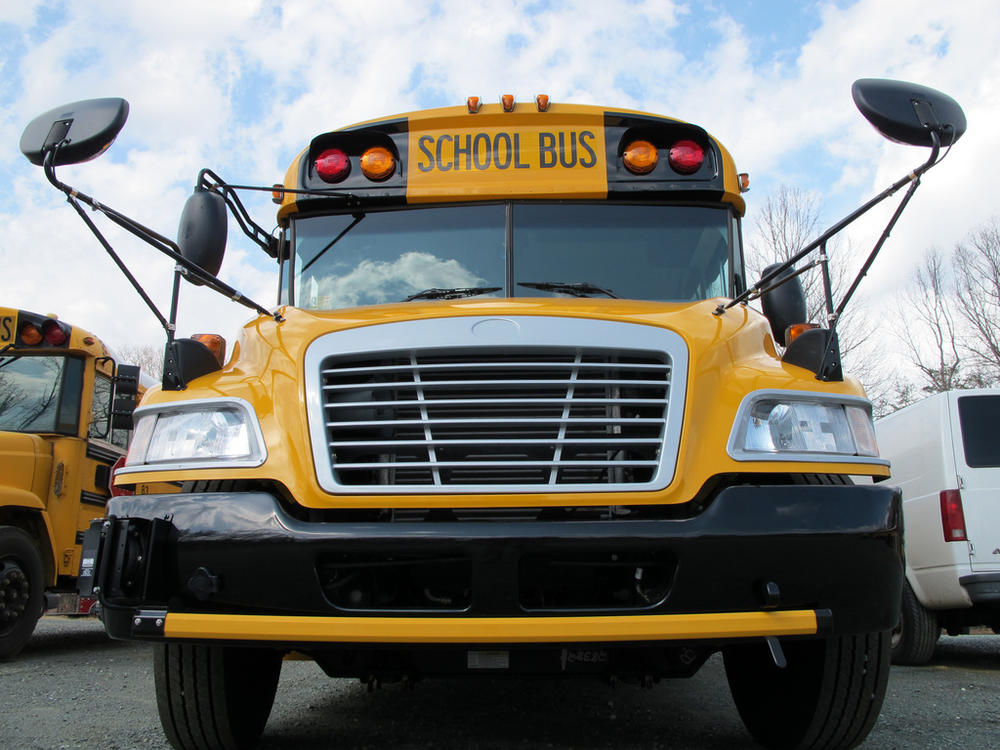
796,330
215,344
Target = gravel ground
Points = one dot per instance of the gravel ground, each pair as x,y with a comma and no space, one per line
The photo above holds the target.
74,688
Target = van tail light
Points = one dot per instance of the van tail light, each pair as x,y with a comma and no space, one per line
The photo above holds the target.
952,516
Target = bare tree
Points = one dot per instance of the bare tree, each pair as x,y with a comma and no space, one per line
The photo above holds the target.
928,326
147,356
977,271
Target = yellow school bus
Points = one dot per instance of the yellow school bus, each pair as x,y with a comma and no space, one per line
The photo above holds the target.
57,448
511,416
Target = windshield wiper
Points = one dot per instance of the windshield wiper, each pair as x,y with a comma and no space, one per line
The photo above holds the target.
574,288
453,293
7,360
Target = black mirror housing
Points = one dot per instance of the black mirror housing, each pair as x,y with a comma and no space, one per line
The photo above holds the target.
784,305
82,130
908,112
126,392
201,235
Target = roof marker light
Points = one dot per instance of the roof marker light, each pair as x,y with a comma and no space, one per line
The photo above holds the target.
378,163
473,103
640,157
686,157
744,179
542,102
507,102
277,193
332,165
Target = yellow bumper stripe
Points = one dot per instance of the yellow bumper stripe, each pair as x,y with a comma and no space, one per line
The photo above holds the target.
489,629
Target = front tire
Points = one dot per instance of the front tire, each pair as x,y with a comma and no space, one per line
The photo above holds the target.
828,696
914,639
214,696
22,588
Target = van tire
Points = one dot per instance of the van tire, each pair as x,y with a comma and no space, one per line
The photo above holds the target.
214,696
914,639
828,696
22,586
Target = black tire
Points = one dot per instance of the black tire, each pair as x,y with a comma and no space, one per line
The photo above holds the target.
828,696
214,696
915,637
22,589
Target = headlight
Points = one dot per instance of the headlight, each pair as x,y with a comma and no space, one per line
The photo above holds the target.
779,425
216,432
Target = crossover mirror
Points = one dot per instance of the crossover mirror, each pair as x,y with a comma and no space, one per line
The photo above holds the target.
77,132
909,113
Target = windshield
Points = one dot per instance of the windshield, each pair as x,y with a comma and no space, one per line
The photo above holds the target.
40,394
662,253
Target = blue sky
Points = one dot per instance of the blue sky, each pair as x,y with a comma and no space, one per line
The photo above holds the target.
241,87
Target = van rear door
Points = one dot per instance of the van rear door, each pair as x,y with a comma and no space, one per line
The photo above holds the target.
977,457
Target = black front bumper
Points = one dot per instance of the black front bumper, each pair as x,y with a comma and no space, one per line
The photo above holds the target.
835,550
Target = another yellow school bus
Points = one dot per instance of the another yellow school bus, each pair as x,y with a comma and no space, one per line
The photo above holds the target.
57,448
510,417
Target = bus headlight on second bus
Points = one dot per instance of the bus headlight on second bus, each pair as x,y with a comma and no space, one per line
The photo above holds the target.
200,433
793,426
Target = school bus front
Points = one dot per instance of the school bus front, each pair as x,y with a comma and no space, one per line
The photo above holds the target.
500,428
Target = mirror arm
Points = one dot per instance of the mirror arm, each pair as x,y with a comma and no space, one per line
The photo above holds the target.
913,178
71,197
779,282
831,357
158,241
209,180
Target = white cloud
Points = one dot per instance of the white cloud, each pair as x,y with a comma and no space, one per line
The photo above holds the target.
242,87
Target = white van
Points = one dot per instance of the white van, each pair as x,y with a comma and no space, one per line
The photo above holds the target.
945,455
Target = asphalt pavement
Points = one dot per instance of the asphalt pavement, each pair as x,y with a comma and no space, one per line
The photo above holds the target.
73,688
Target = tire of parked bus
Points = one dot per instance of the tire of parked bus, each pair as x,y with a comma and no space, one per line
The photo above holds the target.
22,588
827,696
214,696
914,639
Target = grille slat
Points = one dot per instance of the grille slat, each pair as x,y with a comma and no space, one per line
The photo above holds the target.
555,416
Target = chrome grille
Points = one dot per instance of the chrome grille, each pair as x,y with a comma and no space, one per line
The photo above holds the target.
503,416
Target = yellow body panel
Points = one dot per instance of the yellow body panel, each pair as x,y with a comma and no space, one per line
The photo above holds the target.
558,156
48,474
730,356
489,629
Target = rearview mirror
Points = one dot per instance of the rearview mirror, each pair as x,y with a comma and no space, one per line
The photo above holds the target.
126,394
82,130
909,113
783,305
201,235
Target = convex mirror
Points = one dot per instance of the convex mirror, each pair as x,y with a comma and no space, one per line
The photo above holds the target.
908,112
83,130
